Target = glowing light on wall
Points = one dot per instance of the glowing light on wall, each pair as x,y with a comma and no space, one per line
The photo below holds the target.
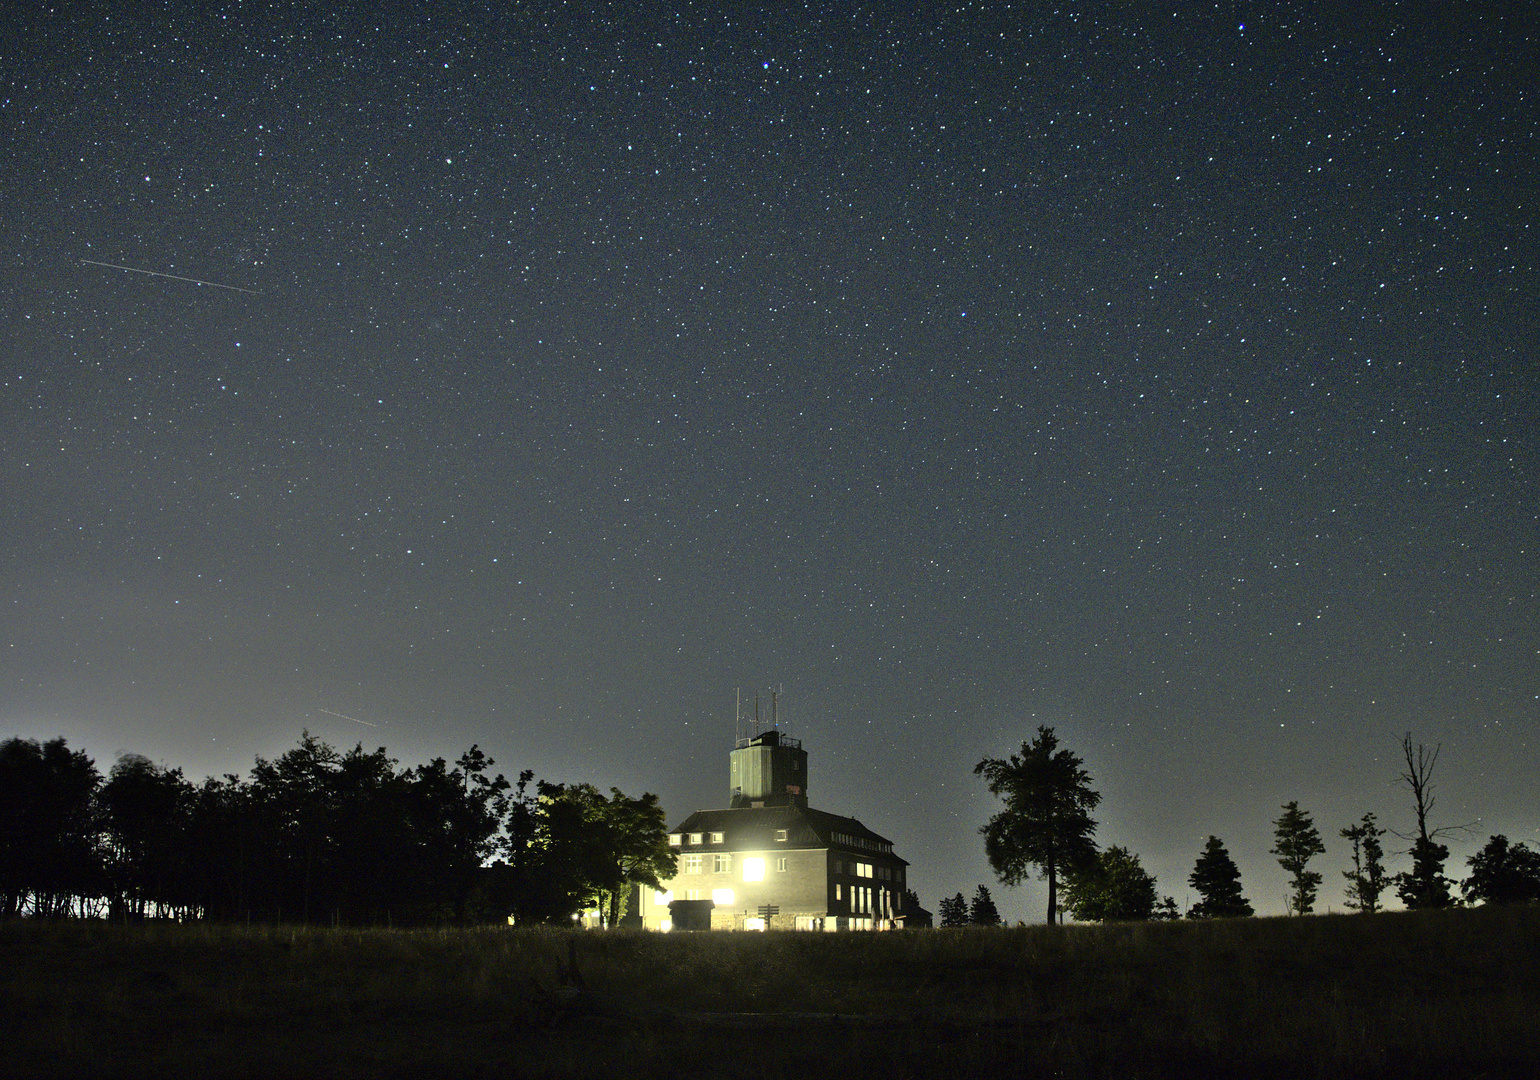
753,869
723,897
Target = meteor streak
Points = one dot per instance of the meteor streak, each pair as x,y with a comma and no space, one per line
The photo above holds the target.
355,719
173,277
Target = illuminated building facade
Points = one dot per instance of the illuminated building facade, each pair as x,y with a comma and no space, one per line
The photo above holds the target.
770,861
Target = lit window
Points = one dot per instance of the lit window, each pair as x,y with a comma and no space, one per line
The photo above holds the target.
695,837
673,839
780,835
753,923
839,892
780,865
716,838
721,864
753,869
722,897
692,864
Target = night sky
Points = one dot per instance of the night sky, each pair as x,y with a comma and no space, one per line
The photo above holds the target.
1167,376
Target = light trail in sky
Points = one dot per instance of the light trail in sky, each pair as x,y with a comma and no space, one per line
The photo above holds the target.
355,719
173,277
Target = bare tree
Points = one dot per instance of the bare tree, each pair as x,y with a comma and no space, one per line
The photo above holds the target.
1425,885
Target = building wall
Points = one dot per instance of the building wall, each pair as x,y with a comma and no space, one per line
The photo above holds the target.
832,888
802,888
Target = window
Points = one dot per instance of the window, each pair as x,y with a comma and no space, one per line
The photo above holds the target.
716,838
753,869
722,897
780,865
839,892
780,835
692,864
721,864
673,839
692,894
863,869
695,837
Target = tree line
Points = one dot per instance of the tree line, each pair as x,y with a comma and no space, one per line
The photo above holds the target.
1046,826
316,836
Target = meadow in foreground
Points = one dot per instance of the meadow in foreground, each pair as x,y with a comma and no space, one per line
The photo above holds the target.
1452,993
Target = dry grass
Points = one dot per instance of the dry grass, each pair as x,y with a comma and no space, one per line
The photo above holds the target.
1430,994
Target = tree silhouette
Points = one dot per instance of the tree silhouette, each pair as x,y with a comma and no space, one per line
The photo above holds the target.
1217,879
315,836
593,848
1425,886
458,813
1367,880
954,910
1503,874
982,911
1297,842
1112,888
49,863
144,821
1046,822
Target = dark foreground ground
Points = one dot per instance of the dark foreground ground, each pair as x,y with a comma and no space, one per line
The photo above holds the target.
1445,994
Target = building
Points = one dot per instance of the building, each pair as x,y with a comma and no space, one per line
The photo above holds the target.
769,861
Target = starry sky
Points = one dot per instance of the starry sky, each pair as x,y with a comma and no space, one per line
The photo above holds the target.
1163,373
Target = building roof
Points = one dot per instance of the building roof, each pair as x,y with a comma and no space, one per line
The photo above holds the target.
755,827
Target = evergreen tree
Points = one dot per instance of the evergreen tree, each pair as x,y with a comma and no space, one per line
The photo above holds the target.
1367,878
1046,822
982,912
1166,910
1297,842
1501,874
1426,886
1218,880
954,911
1113,888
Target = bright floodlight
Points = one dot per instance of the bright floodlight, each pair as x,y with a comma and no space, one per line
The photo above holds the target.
722,897
753,869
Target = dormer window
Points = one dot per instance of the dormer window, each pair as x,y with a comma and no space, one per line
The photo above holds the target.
780,835
695,837
716,838
673,839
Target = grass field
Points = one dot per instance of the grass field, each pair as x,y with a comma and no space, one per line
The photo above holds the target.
1446,994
